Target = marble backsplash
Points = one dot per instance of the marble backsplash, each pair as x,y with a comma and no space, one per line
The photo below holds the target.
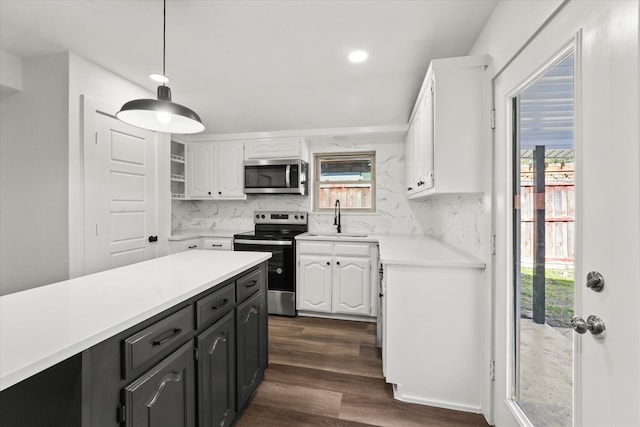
458,220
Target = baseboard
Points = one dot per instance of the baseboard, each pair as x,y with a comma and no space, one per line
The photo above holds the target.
436,403
355,318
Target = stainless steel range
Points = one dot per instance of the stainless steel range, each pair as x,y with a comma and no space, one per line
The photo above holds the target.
275,232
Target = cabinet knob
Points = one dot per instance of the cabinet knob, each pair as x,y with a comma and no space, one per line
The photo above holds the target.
219,192
338,262
328,263
209,192
153,239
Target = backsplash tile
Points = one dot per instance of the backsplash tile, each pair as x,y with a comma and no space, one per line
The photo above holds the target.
458,220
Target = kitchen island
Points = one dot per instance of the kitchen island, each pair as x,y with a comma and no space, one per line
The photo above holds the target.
86,348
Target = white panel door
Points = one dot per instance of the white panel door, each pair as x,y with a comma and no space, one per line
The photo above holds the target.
314,285
352,285
120,193
606,367
229,170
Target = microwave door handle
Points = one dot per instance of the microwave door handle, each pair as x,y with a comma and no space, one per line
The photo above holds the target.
287,178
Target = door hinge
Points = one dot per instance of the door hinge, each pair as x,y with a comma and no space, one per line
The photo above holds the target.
493,244
122,413
493,118
492,370
381,272
196,353
96,141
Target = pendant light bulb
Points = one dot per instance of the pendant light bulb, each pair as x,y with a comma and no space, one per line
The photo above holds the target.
162,114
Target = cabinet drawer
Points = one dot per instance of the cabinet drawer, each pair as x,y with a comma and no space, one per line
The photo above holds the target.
315,248
352,249
219,244
248,284
157,339
214,306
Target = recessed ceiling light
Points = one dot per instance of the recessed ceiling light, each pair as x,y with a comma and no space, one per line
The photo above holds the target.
159,78
358,56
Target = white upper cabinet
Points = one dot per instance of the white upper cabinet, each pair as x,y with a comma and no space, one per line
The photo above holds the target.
276,148
215,170
445,141
228,170
199,168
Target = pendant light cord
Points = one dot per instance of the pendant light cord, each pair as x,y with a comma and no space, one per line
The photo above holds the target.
164,38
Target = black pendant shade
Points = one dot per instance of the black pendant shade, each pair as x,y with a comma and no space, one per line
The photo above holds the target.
161,115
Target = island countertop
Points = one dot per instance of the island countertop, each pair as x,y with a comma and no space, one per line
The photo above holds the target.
43,326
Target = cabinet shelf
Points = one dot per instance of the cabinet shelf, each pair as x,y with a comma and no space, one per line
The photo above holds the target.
177,196
177,178
177,158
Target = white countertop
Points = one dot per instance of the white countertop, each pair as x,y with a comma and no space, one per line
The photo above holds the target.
43,326
196,233
423,251
409,249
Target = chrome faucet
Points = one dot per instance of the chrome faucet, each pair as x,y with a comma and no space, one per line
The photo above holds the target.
336,215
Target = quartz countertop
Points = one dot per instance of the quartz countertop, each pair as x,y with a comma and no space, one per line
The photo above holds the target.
196,233
401,249
43,326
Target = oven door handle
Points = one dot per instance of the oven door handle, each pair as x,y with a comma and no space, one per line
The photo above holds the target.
287,182
265,242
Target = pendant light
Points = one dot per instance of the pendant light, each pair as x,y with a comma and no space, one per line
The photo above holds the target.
161,115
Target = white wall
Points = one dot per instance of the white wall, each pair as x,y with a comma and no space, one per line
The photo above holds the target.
33,172
41,168
10,73
89,79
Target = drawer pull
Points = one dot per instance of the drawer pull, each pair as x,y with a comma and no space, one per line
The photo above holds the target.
251,284
175,332
224,302
215,245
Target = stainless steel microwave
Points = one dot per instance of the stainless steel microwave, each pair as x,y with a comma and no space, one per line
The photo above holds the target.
273,176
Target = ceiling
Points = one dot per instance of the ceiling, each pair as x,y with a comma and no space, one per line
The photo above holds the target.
261,65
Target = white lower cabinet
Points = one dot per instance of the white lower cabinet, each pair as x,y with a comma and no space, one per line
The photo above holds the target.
176,246
210,243
336,278
431,343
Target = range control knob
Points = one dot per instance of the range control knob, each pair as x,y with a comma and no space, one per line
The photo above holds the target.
301,216
296,217
257,216
262,216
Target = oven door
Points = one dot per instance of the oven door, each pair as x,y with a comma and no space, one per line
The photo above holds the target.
282,276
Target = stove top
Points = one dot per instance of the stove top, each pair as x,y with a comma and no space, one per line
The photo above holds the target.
276,225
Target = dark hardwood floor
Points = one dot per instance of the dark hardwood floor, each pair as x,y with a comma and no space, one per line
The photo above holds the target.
329,373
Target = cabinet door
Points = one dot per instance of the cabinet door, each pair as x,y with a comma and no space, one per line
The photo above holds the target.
427,143
229,170
164,396
217,373
199,168
352,285
275,148
251,336
314,284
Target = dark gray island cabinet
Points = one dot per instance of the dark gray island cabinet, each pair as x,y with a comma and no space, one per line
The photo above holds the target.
195,364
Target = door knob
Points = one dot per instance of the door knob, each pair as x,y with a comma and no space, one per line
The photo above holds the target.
579,324
593,324
595,281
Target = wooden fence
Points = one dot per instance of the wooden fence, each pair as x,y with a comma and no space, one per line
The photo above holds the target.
559,202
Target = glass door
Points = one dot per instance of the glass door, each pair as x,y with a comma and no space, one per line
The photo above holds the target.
543,246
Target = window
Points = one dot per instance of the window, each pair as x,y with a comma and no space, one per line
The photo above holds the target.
348,177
